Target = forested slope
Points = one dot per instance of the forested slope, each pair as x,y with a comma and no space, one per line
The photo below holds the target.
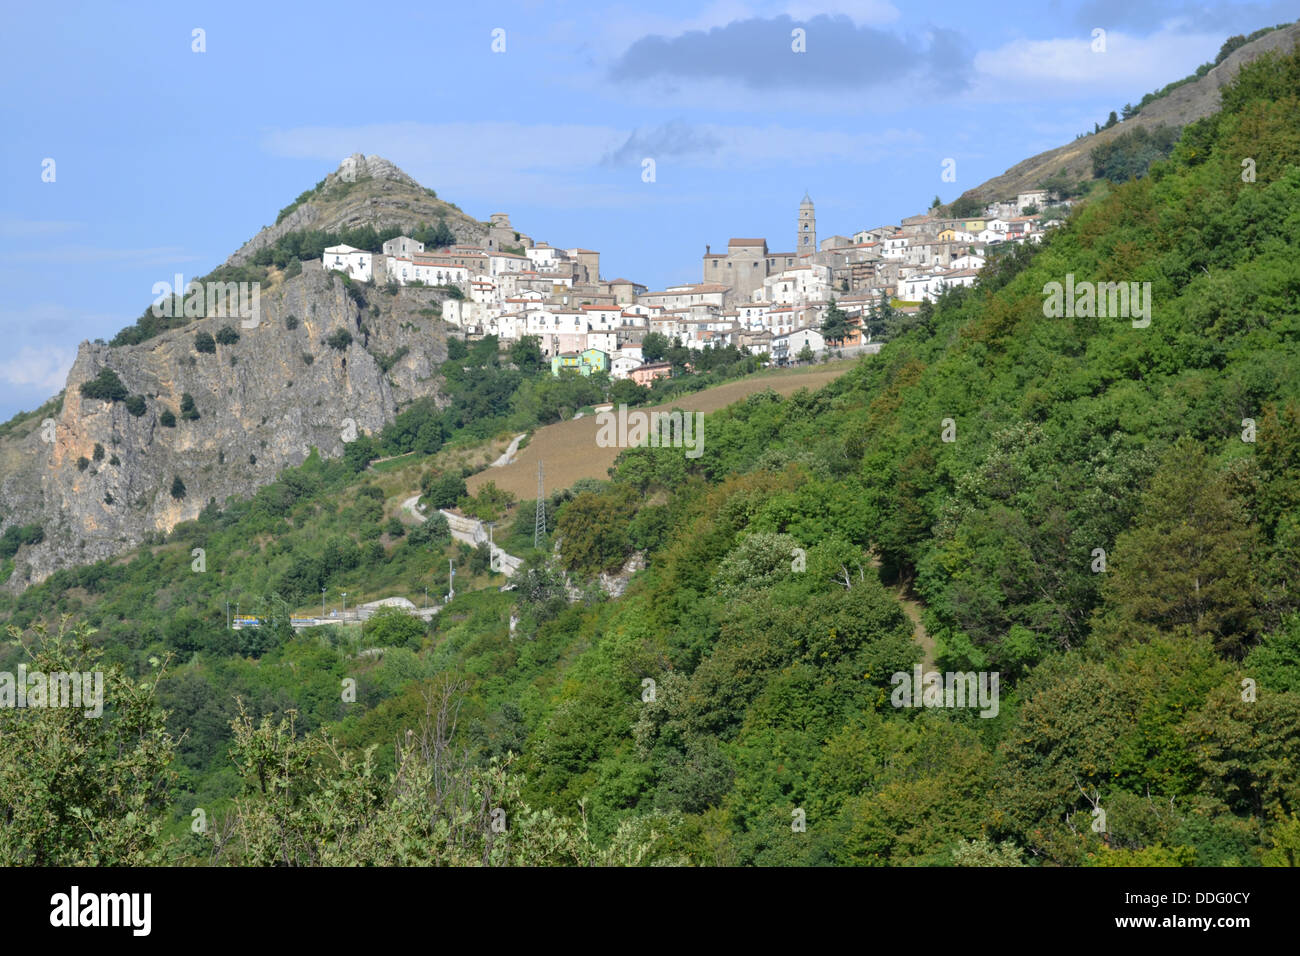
1114,529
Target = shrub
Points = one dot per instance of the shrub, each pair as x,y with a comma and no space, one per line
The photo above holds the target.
188,411
227,336
105,386
135,405
167,419
339,339
291,322
203,342
16,536
443,491
178,487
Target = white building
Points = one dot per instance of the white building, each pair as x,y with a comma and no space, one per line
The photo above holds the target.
893,247
356,263
429,270
786,347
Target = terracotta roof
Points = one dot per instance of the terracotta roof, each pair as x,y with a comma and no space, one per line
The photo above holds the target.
747,242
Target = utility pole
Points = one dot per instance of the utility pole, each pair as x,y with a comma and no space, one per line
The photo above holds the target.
539,522
322,602
345,602
451,584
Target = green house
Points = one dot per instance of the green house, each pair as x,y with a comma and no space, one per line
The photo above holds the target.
592,360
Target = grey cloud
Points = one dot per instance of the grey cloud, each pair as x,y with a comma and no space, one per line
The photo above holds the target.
671,139
839,56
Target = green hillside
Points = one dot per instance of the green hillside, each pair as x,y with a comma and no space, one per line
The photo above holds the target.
1103,511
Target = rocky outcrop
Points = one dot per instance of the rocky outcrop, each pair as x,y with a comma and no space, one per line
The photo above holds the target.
365,191
104,483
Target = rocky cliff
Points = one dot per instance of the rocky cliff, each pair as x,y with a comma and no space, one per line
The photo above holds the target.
100,478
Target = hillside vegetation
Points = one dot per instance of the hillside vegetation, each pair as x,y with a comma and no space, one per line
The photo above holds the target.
1114,528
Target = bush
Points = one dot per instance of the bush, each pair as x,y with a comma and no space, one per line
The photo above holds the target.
203,342
167,419
106,386
135,405
98,453
339,339
16,536
188,411
291,321
393,627
443,491
227,336
434,533
178,487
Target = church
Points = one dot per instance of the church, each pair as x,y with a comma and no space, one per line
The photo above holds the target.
747,262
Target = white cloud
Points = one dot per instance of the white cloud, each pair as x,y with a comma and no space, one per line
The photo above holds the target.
45,368
1063,67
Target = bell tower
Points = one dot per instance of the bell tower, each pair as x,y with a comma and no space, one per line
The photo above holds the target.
806,235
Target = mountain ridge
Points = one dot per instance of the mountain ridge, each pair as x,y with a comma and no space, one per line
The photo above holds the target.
1180,106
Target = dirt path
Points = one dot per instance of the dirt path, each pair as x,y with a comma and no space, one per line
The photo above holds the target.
509,454
409,506
912,608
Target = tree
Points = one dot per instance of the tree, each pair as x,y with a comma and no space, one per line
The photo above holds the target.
178,487
835,324
936,203
654,346
106,386
203,342
227,336
1187,561
1129,111
105,798
527,354
443,491
339,339
167,418
135,405
1111,120
489,504
393,627
188,410
806,353
593,530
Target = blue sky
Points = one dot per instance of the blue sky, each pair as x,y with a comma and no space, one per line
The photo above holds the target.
166,160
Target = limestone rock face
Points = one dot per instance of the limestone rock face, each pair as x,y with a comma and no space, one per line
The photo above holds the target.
263,403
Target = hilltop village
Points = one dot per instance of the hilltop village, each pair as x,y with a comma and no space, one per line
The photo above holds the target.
749,296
